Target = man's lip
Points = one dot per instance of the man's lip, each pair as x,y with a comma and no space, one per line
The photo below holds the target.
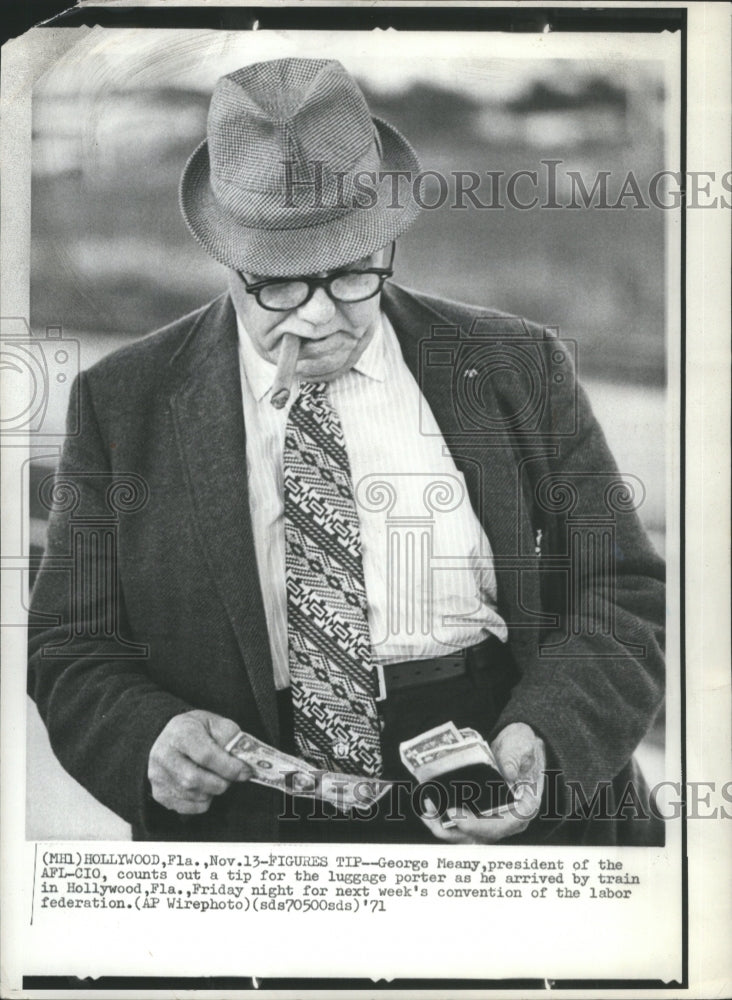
310,345
314,339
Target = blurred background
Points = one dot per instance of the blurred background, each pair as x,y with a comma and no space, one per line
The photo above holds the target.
116,118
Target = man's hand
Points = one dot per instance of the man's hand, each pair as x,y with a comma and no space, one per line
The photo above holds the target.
188,764
521,759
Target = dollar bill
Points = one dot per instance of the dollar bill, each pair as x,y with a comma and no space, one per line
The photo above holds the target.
428,745
465,754
294,776
352,791
446,748
268,763
443,749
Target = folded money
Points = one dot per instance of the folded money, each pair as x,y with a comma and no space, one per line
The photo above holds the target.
458,755
428,745
443,749
295,776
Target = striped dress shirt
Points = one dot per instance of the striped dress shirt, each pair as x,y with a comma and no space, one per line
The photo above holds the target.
430,583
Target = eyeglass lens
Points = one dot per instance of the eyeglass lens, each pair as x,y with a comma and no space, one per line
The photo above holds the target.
352,287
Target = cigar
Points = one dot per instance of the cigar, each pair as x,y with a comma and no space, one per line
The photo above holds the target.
286,364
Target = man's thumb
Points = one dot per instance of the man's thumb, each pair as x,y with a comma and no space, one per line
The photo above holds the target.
221,730
510,769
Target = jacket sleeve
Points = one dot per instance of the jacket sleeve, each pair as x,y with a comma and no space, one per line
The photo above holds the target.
101,708
593,705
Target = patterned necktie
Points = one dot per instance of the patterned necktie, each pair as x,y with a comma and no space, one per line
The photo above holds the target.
330,658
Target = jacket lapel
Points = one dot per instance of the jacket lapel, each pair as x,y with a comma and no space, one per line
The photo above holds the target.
207,410
487,459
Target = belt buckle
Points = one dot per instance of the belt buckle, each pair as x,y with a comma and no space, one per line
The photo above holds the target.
381,679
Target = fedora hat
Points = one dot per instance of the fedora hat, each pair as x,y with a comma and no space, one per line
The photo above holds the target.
277,188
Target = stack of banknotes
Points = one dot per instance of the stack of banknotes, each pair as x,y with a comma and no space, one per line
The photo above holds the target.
444,748
457,755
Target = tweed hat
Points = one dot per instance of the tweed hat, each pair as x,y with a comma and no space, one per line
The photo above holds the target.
277,188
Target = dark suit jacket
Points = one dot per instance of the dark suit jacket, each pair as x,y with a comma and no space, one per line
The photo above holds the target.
189,628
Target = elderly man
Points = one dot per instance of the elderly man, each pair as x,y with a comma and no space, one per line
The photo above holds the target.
388,552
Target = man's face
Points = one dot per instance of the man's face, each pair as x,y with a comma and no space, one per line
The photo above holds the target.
334,334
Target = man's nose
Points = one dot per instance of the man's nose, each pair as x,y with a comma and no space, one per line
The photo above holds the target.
319,309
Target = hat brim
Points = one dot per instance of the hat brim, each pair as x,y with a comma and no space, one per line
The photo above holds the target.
289,252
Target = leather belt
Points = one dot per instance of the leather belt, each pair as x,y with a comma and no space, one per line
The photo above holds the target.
413,673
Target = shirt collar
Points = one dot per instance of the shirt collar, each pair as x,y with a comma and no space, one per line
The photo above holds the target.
260,373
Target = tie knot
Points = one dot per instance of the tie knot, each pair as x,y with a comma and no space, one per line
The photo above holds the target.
314,390
312,396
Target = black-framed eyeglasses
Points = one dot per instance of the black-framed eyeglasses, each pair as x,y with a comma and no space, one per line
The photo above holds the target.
345,285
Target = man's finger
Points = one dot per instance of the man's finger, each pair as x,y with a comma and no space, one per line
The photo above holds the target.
510,770
451,835
539,756
519,762
169,788
431,819
190,779
195,742
210,755
186,807
490,829
530,763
